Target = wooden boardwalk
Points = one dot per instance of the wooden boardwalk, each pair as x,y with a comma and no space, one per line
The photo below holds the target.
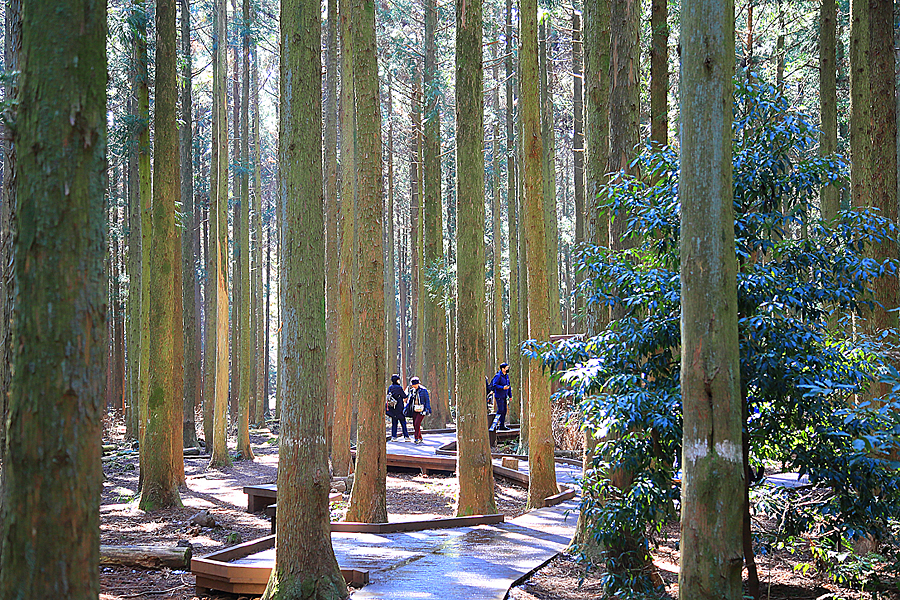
469,560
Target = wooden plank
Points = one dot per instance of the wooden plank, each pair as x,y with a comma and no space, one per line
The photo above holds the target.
260,496
565,494
239,551
510,474
403,526
215,571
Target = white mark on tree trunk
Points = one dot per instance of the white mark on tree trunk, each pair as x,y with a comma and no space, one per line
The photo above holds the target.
695,450
729,451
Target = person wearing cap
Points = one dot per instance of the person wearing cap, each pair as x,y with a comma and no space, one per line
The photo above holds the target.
419,406
502,392
395,407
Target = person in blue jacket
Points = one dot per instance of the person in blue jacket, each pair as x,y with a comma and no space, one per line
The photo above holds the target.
395,408
502,392
418,407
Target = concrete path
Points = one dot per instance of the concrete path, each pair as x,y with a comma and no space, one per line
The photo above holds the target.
477,563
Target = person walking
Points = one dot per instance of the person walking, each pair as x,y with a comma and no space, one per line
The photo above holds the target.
502,392
395,408
418,407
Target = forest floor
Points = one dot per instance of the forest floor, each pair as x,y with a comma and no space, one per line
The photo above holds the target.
220,491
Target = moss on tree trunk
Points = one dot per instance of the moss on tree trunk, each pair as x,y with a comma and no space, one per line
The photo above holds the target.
51,523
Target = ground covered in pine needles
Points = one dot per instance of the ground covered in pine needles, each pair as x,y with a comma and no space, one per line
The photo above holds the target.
220,492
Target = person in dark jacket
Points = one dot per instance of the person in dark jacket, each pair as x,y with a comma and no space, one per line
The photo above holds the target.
502,392
396,396
419,406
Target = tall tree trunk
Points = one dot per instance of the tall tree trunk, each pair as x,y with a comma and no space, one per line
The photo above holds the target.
451,317
12,48
541,468
268,300
390,271
548,136
434,371
476,477
415,212
624,136
882,169
524,330
710,369
659,72
237,281
332,223
305,565
133,307
403,319
343,394
144,175
419,226
512,221
217,331
596,121
242,360
190,240
259,361
134,262
368,501
209,295
53,478
162,469
860,104
829,196
496,240
578,150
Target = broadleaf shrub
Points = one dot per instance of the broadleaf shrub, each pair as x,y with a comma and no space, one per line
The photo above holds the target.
800,283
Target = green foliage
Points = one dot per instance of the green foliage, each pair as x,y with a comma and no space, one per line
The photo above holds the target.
440,283
797,278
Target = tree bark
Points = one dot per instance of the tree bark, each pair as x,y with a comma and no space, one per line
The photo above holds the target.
542,470
162,467
236,200
53,478
134,261
713,483
147,557
368,501
578,145
332,224
343,395
260,360
883,165
305,565
548,136
243,358
12,49
390,271
190,241
829,196
512,219
476,477
217,330
659,72
499,343
434,371
144,176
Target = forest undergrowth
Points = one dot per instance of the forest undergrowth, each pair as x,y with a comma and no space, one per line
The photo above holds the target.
784,574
